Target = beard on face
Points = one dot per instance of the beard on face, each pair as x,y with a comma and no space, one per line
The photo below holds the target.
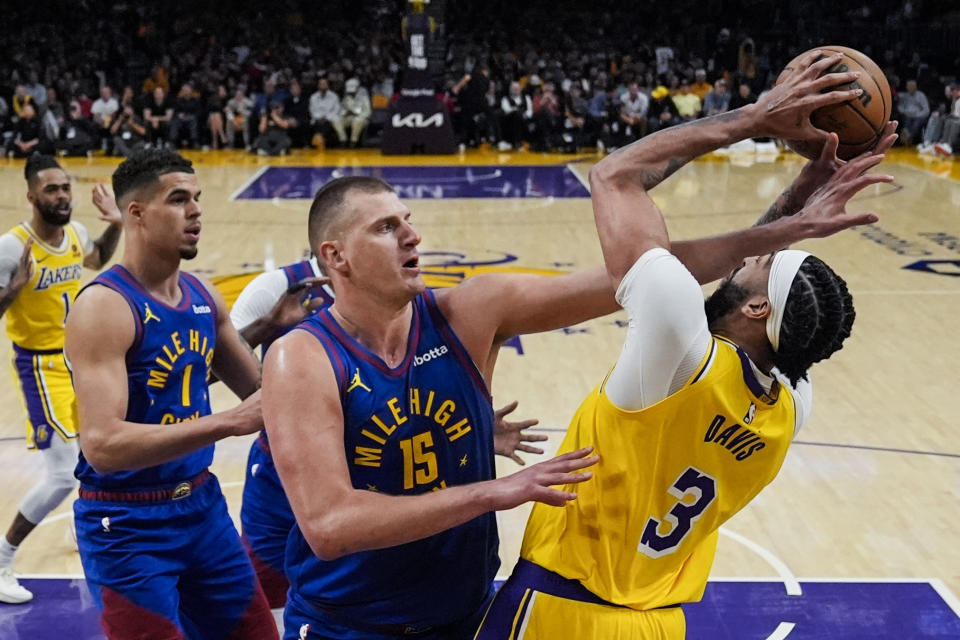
188,253
50,213
727,297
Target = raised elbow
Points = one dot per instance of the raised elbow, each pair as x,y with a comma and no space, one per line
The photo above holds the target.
605,173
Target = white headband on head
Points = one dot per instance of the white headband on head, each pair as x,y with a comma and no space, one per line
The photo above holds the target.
784,269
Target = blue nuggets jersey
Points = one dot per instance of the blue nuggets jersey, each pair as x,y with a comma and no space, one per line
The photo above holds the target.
423,426
167,366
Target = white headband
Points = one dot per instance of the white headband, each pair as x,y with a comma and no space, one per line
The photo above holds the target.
784,269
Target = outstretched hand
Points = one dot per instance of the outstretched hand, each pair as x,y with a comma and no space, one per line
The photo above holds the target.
534,484
104,200
24,268
825,211
784,111
827,163
297,303
509,437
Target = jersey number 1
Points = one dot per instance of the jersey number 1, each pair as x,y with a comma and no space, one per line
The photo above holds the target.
681,517
66,307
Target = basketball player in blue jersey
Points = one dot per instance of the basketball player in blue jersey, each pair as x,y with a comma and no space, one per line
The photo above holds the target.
41,264
380,425
697,414
159,550
271,304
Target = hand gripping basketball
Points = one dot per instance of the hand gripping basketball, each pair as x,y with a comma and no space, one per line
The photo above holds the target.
784,111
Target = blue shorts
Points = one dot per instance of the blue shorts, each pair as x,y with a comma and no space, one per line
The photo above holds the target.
265,520
302,621
163,568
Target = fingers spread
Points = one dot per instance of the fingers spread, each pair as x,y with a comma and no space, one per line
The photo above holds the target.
504,410
528,449
533,437
818,100
833,79
829,151
819,66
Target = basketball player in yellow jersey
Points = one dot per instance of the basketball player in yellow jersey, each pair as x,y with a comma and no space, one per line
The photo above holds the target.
41,263
696,416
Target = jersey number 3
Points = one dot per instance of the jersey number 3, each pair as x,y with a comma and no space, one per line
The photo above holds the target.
681,517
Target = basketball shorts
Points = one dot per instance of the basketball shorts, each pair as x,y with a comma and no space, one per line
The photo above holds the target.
266,519
303,621
47,392
161,567
537,604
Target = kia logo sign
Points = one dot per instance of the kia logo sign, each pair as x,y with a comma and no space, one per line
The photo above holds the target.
417,121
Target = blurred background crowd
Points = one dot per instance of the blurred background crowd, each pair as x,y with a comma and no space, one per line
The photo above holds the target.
104,76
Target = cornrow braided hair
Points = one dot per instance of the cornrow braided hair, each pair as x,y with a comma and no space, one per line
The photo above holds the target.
817,318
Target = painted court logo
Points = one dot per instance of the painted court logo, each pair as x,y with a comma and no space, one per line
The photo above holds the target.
433,354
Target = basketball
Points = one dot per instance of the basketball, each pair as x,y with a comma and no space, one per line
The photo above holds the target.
858,122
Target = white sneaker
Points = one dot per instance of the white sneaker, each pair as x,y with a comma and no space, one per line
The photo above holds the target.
925,147
943,149
503,145
10,590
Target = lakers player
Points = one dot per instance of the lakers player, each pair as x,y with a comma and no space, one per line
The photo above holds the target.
41,263
696,416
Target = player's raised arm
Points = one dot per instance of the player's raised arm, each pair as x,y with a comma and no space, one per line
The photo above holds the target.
629,222
304,420
100,329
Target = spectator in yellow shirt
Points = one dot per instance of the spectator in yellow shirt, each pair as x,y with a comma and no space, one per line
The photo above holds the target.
688,103
700,86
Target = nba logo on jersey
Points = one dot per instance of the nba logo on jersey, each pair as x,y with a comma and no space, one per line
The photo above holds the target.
304,631
751,412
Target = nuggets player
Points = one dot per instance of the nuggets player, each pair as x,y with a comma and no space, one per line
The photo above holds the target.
271,304
159,551
41,263
696,416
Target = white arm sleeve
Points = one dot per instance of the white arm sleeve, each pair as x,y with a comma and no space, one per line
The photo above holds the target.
667,335
802,398
258,297
10,251
86,242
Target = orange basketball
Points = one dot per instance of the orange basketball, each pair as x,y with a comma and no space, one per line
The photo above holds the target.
858,122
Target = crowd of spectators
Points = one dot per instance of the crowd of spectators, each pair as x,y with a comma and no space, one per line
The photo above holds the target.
549,76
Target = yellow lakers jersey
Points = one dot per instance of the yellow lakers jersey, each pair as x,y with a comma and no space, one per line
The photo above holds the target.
642,532
37,316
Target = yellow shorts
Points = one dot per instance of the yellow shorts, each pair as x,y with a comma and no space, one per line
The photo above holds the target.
46,389
524,610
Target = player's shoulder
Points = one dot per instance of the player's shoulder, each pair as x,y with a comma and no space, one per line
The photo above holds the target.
297,351
16,234
101,310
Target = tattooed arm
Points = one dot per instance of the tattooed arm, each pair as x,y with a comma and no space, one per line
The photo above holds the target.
629,222
816,173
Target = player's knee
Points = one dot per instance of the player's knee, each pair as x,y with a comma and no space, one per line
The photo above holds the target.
62,482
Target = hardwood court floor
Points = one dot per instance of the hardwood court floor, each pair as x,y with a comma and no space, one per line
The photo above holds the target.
871,489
